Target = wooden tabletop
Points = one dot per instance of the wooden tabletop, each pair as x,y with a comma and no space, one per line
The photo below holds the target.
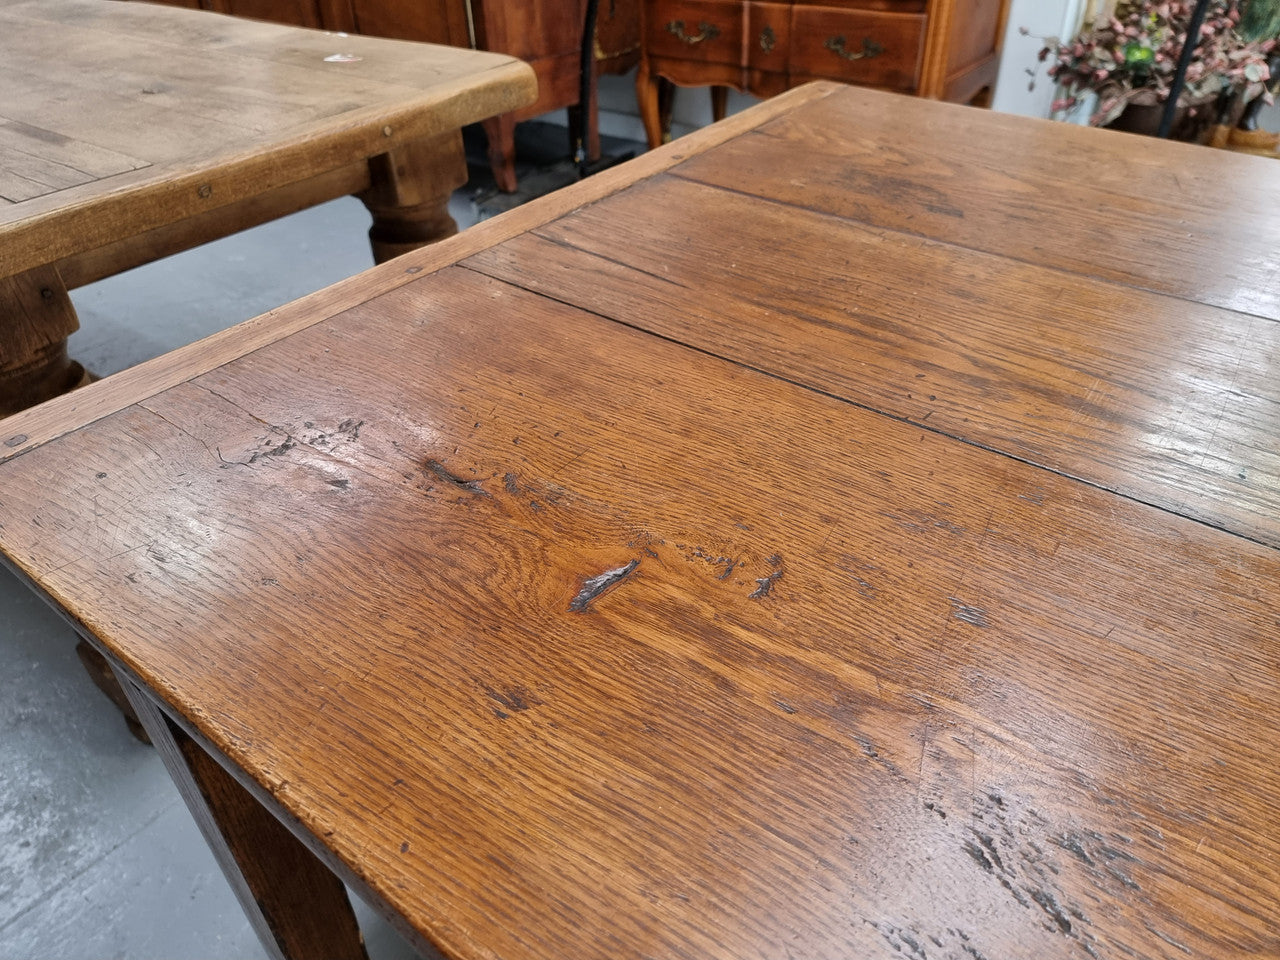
850,531
120,117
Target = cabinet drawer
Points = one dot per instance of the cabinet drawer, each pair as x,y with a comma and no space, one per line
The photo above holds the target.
858,46
695,30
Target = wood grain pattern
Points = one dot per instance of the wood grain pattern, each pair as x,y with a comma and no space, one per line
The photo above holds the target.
1180,220
35,161
663,656
1170,402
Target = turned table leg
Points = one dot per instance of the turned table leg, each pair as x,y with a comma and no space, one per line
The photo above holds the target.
36,317
409,194
296,905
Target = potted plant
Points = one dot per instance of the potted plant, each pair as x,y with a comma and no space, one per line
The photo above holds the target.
1128,60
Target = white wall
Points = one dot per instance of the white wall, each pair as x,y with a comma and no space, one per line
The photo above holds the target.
1042,19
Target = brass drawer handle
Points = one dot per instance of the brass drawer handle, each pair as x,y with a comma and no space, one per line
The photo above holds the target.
869,49
706,31
768,39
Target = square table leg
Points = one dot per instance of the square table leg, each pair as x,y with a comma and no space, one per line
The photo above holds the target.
297,906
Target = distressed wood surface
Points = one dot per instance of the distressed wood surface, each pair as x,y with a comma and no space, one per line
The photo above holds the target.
204,111
132,132
560,637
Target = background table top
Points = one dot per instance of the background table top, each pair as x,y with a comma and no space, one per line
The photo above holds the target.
120,117
746,553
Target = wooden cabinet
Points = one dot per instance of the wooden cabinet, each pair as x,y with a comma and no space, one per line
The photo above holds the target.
545,33
942,49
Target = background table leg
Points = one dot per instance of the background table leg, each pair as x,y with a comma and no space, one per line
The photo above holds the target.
100,672
719,102
501,133
296,905
647,96
36,317
409,194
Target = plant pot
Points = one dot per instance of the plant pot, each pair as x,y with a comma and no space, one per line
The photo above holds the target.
1191,121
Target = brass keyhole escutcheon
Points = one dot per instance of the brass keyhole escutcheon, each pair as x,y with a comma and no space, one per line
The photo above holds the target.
768,39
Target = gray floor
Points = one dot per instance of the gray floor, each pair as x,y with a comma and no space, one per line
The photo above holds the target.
98,856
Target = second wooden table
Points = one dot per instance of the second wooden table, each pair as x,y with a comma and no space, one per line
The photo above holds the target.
129,132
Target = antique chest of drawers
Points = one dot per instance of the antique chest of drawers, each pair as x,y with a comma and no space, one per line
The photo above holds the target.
942,49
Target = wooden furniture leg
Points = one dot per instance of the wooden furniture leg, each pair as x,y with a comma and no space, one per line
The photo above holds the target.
104,678
647,100
719,102
36,317
501,131
296,905
666,105
409,194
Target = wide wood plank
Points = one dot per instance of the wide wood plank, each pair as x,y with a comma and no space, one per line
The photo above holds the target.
1178,219
1170,402
578,643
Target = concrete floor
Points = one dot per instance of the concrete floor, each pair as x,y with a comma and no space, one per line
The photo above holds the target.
98,855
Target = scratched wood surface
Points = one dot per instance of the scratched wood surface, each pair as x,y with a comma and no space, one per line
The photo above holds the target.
564,638
118,118
573,642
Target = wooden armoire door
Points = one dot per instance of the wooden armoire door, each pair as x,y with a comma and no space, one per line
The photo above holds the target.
427,21
298,13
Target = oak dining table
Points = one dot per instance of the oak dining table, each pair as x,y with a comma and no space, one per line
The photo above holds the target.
850,531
